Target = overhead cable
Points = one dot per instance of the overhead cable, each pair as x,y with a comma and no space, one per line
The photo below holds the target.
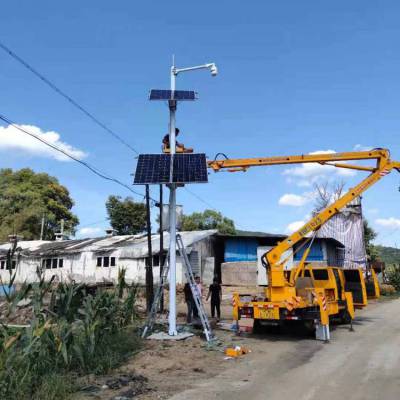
67,97
93,169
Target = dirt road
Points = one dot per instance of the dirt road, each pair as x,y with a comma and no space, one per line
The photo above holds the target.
359,365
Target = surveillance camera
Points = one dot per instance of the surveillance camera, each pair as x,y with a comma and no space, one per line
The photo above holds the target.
214,70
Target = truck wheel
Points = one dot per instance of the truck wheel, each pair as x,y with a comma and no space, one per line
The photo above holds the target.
309,327
257,327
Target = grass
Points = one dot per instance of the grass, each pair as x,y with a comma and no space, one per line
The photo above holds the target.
55,387
71,335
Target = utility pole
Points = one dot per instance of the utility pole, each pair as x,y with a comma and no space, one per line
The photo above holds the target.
149,264
42,228
161,254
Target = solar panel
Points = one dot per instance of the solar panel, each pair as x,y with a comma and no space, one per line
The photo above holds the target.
190,168
155,169
180,95
152,169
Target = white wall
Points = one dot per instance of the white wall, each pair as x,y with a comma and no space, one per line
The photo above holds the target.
81,267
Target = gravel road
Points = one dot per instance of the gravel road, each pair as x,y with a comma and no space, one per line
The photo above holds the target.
359,365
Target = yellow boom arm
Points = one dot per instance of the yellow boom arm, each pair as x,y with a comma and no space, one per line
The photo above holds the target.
383,166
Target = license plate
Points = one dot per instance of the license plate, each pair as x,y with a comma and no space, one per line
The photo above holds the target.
269,313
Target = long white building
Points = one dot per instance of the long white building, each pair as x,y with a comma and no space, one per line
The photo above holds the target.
99,259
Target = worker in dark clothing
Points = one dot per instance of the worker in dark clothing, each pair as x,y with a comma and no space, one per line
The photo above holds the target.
215,292
179,147
191,306
166,139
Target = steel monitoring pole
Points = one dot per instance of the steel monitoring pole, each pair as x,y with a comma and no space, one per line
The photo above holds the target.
172,194
161,257
148,171
172,215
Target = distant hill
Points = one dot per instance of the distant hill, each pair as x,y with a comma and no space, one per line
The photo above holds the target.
389,255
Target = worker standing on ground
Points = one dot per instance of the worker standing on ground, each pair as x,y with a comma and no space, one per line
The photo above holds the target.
215,291
200,292
191,306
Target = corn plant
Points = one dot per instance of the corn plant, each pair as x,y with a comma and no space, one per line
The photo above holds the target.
74,333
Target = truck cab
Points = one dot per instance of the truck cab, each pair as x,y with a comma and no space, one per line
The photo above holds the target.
355,283
372,284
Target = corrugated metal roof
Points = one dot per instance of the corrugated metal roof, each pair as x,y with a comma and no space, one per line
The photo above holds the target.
253,234
139,248
129,246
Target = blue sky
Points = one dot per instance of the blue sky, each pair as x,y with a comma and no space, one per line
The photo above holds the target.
295,77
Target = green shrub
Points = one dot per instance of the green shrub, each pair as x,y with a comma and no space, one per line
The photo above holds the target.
75,333
387,290
393,276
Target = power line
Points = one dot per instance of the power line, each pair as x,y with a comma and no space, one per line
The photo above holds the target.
93,223
67,97
209,205
200,199
93,169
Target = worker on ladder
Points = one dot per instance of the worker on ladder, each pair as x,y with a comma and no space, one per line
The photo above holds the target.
180,148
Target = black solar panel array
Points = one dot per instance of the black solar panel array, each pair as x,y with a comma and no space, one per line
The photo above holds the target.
190,168
179,95
155,169
152,168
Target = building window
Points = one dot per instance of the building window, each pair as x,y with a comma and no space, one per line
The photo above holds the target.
50,263
4,264
106,262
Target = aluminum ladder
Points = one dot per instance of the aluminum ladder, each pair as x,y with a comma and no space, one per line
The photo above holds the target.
193,287
195,291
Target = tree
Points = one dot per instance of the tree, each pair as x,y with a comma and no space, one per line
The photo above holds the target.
126,216
208,219
25,197
327,194
369,236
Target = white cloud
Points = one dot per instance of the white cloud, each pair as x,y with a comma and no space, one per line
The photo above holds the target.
90,231
13,139
306,175
295,200
294,226
360,147
388,222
